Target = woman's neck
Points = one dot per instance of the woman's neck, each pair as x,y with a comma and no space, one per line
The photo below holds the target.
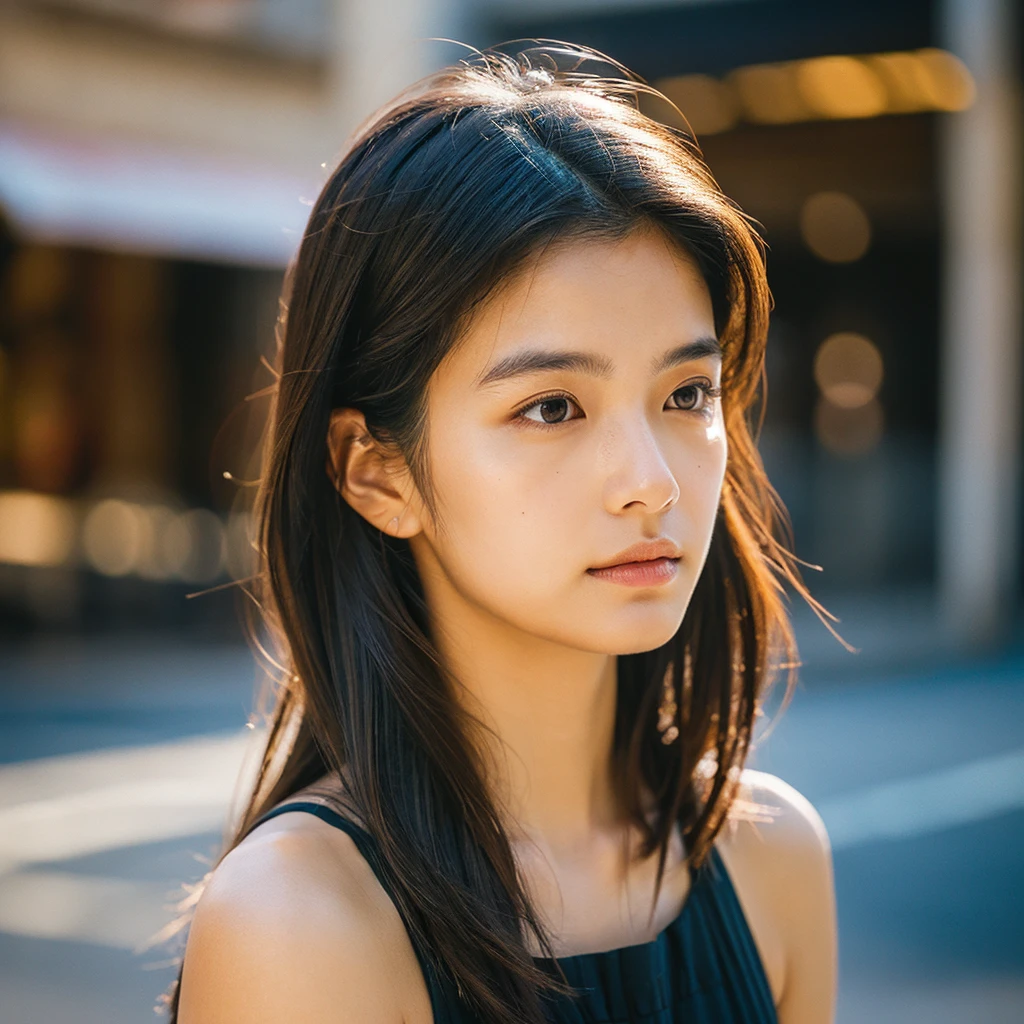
551,712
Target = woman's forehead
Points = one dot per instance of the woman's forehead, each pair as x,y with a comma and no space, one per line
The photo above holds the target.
617,300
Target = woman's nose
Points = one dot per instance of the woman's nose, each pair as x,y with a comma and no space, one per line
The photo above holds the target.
637,473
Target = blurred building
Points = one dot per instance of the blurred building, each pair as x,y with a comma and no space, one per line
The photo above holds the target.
155,159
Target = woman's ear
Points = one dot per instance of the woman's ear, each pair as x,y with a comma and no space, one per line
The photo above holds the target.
377,485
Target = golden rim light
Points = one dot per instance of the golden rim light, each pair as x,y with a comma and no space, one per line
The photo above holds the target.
823,88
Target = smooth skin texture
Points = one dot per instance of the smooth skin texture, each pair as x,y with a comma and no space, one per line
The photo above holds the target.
538,476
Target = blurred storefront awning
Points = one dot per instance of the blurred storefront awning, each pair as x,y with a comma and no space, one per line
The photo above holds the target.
126,196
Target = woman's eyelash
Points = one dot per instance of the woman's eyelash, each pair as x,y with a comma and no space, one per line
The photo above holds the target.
710,393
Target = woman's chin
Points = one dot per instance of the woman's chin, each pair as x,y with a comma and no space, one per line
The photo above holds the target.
636,637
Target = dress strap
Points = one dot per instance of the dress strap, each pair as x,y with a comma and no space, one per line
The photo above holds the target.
365,843
444,1000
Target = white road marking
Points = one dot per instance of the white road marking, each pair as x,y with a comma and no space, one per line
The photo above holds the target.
99,911
926,803
54,809
58,808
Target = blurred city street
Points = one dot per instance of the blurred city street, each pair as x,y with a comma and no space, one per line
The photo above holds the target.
108,804
158,163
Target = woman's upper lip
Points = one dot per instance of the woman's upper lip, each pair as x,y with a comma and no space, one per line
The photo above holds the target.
645,551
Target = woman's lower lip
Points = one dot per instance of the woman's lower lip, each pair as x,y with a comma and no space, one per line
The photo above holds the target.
639,574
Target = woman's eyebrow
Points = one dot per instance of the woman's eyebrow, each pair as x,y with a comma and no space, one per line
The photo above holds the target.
539,360
707,347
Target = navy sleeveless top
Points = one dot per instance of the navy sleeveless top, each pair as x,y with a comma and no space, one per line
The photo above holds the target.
703,968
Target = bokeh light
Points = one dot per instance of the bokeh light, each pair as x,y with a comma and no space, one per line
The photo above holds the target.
708,104
829,87
949,84
848,369
769,93
153,563
835,227
240,554
835,87
114,537
848,432
906,78
35,529
196,542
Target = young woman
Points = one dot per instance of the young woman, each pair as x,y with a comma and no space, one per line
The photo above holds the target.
527,575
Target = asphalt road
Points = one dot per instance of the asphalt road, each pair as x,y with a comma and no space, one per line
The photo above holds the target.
117,763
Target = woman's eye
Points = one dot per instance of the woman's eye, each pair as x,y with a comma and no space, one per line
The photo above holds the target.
555,409
550,410
695,397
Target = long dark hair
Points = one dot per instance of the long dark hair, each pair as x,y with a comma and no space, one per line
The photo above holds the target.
436,200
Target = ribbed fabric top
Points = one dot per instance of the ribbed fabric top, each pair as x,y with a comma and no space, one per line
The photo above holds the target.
703,968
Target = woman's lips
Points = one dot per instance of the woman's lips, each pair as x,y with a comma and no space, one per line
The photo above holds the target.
651,573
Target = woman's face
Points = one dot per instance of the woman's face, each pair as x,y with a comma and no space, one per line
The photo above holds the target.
578,417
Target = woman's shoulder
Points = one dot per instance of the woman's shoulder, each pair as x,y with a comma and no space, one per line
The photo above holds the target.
777,840
778,814
293,925
778,854
290,866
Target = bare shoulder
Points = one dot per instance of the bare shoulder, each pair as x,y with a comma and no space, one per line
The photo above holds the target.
293,925
777,850
777,842
772,813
